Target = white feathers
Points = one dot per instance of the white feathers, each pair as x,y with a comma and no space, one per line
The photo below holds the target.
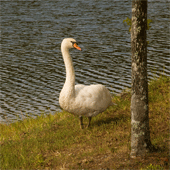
80,99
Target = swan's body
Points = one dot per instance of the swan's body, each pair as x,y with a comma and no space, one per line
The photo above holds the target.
80,99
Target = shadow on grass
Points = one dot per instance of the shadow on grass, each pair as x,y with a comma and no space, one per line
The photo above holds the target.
112,120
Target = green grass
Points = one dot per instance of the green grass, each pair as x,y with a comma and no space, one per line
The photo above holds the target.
56,141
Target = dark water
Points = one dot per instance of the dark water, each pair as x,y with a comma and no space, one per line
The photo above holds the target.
32,69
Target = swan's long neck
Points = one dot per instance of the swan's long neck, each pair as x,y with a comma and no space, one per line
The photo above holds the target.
70,75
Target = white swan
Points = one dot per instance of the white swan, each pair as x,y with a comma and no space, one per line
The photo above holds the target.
80,99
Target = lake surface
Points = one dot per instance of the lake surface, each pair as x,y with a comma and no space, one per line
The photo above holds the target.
32,69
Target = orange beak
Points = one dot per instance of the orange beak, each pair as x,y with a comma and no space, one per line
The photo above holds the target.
76,46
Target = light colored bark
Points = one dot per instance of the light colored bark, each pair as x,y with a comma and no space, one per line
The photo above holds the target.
140,134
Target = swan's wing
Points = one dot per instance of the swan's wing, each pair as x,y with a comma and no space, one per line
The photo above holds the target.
78,88
93,98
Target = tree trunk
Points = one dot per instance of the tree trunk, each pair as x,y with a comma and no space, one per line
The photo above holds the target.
140,134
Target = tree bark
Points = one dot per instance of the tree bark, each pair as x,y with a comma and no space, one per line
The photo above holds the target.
140,134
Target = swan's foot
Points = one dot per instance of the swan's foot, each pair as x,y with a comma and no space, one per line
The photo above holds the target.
89,121
81,122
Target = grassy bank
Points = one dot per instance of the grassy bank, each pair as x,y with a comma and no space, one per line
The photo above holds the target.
56,141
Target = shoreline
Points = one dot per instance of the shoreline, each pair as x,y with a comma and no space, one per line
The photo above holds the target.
56,141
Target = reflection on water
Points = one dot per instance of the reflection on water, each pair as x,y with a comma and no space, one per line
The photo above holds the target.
32,69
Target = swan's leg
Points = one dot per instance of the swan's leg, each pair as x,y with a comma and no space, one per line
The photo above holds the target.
89,121
81,122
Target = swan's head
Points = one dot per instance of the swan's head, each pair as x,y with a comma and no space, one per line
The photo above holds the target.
69,43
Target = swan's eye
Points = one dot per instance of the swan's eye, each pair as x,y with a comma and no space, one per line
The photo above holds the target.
73,43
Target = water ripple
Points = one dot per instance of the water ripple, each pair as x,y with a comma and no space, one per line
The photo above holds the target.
32,69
